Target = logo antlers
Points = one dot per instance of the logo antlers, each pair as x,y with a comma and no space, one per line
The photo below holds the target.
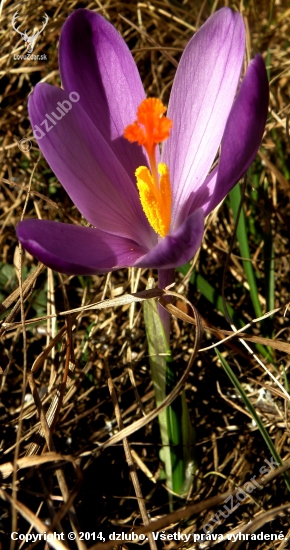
29,39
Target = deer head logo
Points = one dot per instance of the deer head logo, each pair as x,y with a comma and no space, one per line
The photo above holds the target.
30,40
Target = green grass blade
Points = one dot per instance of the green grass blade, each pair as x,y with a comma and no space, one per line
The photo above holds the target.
210,293
269,268
253,413
242,235
189,449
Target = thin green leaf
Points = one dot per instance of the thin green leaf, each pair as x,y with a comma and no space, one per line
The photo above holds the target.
215,298
253,413
210,293
242,235
269,268
189,448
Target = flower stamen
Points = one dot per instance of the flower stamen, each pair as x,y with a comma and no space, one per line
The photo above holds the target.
151,128
156,203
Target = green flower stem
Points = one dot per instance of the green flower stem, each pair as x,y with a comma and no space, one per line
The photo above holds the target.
165,278
174,411
177,435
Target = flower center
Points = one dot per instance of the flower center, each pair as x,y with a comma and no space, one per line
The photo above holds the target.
151,128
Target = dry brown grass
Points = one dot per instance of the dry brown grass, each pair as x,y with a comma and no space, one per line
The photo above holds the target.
75,478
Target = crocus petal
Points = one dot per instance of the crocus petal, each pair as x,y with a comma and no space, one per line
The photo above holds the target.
86,166
243,133
96,63
201,197
177,248
201,99
76,250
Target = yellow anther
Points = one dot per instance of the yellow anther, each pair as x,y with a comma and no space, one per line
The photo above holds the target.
156,202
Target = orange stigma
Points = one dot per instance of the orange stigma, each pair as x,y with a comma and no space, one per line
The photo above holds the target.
151,128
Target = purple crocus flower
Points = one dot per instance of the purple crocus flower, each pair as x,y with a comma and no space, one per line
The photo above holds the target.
80,130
